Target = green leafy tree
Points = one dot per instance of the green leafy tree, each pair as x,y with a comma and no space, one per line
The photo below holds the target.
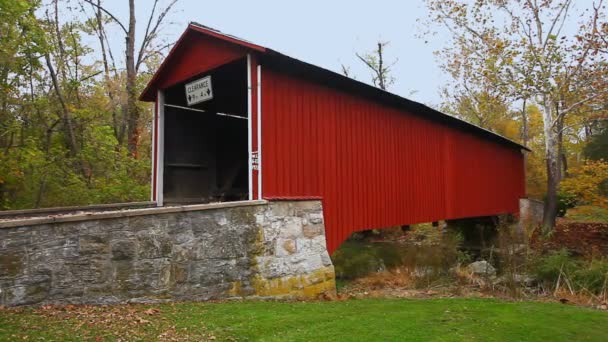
59,128
597,148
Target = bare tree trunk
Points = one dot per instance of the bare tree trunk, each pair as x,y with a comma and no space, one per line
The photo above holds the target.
67,120
60,47
550,209
41,191
4,118
381,74
131,113
117,122
76,61
563,162
552,159
132,110
524,138
524,124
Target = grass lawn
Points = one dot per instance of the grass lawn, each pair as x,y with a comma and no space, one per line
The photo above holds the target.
353,320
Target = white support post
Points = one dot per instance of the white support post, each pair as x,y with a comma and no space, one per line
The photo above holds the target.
249,130
160,162
259,132
153,153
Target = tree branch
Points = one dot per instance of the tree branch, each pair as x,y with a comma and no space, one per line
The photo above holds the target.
153,33
108,13
146,35
563,113
565,7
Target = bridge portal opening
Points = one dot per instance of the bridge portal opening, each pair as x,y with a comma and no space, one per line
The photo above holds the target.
206,137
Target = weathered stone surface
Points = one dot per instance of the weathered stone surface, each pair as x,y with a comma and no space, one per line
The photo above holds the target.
316,217
311,231
530,211
482,268
93,244
12,263
291,227
272,250
124,249
154,245
285,247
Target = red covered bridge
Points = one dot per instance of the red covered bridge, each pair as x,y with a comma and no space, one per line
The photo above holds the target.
235,120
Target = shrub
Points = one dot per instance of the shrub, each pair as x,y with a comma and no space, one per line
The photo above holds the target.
565,201
549,267
355,259
593,277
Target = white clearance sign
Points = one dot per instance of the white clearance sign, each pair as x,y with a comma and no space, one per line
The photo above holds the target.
199,91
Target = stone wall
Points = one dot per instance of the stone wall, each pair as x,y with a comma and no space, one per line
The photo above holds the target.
530,212
201,252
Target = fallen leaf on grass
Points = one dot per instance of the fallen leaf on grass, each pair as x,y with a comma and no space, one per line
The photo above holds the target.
141,320
151,311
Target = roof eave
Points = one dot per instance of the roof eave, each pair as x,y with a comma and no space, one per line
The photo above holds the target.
147,95
394,97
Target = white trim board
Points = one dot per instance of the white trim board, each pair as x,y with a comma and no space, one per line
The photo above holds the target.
160,162
249,128
259,132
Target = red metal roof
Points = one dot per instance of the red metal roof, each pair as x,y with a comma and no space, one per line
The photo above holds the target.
302,69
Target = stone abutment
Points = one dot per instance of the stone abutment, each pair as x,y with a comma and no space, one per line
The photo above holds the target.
248,249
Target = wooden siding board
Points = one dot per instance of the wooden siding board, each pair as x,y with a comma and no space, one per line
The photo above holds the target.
376,166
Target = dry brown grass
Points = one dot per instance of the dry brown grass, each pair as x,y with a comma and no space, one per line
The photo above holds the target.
392,279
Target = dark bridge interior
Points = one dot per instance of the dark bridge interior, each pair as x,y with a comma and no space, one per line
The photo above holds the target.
205,145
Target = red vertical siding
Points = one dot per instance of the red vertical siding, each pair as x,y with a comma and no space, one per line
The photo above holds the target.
195,54
376,166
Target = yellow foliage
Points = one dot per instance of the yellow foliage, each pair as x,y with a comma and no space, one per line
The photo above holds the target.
511,129
536,173
585,182
535,122
536,169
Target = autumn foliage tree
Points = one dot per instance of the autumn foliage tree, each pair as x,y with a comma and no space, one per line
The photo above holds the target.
134,57
588,183
66,105
520,50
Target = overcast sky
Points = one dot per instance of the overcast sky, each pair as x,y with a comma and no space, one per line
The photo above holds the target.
328,33
325,33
